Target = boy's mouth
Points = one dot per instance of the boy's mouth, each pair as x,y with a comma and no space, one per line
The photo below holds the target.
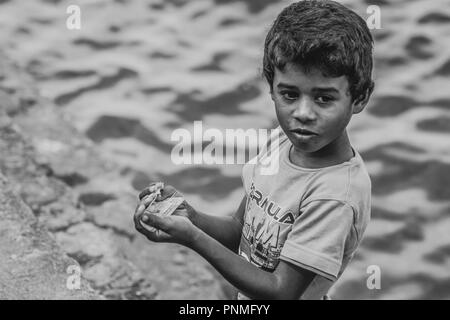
303,132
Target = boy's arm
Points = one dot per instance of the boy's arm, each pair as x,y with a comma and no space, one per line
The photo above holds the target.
286,282
226,230
217,240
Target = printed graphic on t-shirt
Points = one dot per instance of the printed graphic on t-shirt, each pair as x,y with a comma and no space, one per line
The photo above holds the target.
266,225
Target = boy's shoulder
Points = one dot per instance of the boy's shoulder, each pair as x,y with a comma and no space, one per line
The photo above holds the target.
342,182
348,183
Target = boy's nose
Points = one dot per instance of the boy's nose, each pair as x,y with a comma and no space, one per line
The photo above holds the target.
304,110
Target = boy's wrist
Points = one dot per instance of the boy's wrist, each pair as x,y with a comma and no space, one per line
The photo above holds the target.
196,238
192,216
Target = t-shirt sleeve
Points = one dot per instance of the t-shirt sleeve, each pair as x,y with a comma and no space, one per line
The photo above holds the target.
318,236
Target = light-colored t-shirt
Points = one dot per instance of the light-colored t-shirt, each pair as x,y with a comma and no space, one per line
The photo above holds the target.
313,218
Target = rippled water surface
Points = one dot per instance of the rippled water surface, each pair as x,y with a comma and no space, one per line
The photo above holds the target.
139,69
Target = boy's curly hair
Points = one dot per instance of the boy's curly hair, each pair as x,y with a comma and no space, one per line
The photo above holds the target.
321,34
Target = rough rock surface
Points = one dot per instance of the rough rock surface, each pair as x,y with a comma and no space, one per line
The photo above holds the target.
86,202
33,266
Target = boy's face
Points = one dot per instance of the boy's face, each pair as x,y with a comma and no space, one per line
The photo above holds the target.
309,101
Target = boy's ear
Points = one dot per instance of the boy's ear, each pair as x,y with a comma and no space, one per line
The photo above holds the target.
360,103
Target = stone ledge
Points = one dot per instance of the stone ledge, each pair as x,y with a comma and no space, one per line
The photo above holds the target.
32,265
86,202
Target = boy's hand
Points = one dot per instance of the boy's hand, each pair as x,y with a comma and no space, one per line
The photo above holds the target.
177,225
153,187
178,229
147,196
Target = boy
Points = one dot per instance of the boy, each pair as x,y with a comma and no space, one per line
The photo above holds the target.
295,231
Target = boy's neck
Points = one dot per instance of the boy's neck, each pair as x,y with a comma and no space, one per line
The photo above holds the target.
336,152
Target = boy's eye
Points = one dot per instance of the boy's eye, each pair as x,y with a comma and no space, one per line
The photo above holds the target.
289,95
324,99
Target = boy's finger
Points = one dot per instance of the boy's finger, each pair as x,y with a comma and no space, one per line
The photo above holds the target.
138,212
144,193
150,189
167,192
183,206
152,235
138,226
148,199
142,205
158,236
155,221
163,237
140,209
